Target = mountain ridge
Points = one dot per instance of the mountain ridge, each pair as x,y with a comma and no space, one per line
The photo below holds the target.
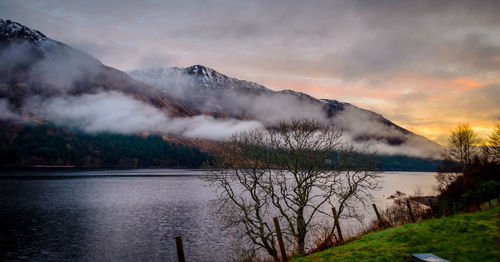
214,83
67,85
35,65
11,30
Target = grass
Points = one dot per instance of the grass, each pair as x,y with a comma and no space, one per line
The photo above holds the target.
464,237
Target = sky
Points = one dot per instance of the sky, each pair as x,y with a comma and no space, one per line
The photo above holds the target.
425,65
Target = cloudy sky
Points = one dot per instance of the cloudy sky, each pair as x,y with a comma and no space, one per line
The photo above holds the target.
426,65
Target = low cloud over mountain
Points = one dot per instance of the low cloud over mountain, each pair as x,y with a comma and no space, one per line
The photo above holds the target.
211,92
45,80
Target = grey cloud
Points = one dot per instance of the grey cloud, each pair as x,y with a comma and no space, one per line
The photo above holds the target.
346,39
477,52
157,60
481,102
349,39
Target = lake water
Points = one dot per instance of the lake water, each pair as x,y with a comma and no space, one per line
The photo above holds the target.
124,215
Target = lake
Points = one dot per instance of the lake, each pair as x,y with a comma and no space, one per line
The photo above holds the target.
125,215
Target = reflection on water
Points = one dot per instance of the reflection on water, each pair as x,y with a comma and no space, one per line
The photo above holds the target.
127,215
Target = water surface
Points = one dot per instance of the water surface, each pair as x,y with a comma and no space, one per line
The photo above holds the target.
124,215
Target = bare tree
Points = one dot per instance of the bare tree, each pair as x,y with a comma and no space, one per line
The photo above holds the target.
238,172
463,145
462,148
297,170
493,144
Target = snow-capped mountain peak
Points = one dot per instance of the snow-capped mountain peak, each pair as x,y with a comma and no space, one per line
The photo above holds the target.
12,31
198,76
203,71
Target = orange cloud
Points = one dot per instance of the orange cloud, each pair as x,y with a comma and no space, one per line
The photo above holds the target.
428,105
468,84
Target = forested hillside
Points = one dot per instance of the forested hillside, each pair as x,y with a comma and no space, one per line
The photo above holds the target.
42,144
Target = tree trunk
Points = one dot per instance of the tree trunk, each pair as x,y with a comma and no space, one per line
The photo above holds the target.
275,257
301,233
301,250
280,239
272,252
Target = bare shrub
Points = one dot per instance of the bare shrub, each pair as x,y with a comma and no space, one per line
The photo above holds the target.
398,212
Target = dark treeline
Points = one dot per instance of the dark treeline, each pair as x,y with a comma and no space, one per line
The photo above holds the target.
478,183
406,163
43,144
27,145
397,162
470,172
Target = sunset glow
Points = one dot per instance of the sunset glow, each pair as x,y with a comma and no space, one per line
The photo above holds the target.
424,65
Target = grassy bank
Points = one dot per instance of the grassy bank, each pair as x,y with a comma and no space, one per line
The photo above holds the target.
464,237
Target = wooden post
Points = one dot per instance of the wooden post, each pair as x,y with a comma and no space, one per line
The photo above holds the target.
337,224
180,249
280,239
378,215
409,209
430,206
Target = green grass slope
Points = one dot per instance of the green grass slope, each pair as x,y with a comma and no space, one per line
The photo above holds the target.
464,237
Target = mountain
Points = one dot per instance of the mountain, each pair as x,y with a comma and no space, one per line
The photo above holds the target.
46,81
211,92
203,89
32,64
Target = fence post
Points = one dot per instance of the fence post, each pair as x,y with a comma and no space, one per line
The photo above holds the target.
337,224
280,239
180,249
409,209
378,214
430,206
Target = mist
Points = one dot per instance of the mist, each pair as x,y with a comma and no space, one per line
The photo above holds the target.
54,65
235,98
360,123
115,112
6,113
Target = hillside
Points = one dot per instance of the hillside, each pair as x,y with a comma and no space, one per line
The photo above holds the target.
34,145
463,237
